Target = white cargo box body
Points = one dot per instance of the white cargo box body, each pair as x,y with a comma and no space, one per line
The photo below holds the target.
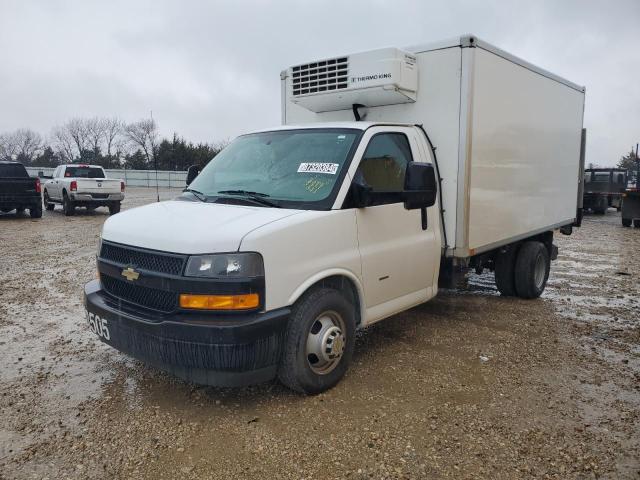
507,134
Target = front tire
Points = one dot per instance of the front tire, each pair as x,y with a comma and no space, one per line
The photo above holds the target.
636,223
319,342
532,269
626,222
68,207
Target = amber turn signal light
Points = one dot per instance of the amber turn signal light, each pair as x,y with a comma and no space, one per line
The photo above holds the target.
220,302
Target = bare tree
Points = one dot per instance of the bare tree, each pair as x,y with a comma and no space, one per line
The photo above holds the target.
24,144
112,133
30,144
144,135
78,131
8,146
63,144
94,131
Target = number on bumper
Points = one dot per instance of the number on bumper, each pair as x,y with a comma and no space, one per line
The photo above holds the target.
98,325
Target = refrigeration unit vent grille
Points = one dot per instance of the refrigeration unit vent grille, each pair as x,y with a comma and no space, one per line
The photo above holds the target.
320,76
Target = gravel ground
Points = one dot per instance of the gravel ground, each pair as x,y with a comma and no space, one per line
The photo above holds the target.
469,385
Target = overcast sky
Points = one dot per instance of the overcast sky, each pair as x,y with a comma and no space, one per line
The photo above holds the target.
210,70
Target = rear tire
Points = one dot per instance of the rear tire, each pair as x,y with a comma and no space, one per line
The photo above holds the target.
68,207
36,212
114,208
532,269
318,343
505,263
626,222
49,206
19,211
636,223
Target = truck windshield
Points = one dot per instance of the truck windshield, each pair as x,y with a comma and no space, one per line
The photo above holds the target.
289,168
84,172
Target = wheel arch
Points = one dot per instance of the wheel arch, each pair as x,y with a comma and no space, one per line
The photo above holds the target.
338,279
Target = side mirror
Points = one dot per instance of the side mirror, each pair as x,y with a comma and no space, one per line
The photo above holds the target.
192,173
420,186
361,195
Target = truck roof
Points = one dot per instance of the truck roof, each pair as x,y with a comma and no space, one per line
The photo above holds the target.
84,165
362,125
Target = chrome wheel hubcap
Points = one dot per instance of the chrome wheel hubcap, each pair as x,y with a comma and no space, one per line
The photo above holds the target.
325,342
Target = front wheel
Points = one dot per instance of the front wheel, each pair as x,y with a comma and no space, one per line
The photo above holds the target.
319,342
114,208
532,269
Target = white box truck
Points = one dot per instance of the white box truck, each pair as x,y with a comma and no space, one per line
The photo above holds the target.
395,171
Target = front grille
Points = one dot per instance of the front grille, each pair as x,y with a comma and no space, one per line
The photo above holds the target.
160,300
154,262
100,195
320,76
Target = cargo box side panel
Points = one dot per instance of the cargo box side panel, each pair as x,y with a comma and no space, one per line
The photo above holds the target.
524,166
437,108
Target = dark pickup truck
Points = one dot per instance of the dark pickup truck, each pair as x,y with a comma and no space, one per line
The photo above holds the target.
19,191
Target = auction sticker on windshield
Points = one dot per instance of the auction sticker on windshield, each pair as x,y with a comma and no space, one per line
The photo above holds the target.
313,167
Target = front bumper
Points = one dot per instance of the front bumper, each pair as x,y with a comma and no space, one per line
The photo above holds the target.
221,350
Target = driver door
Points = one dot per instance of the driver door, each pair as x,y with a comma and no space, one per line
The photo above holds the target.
399,259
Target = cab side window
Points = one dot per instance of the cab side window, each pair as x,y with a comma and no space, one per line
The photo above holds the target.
383,166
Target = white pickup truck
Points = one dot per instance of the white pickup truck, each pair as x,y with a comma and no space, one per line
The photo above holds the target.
87,186
293,238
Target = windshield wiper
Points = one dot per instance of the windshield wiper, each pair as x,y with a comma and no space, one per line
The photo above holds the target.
256,197
199,195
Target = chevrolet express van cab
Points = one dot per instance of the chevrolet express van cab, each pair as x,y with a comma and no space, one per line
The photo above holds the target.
293,238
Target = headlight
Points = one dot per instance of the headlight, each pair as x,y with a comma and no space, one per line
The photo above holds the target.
241,265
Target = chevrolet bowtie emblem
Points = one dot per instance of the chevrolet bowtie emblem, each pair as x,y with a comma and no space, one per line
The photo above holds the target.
130,274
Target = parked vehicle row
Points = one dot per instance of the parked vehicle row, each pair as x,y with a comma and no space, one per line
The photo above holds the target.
71,186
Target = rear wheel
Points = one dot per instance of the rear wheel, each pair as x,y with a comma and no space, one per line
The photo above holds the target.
505,271
36,212
636,223
319,342
532,269
114,208
49,206
68,207
19,211
626,222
